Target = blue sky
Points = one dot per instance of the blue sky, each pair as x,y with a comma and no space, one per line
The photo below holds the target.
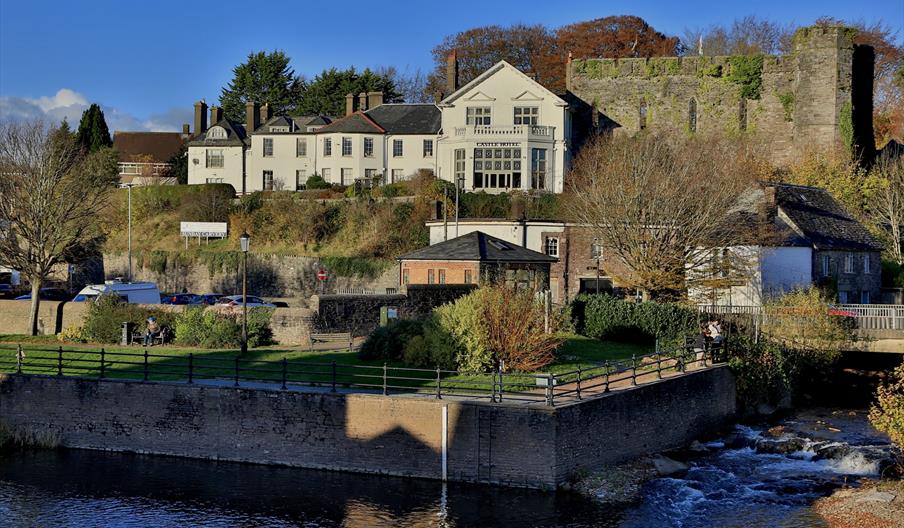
147,62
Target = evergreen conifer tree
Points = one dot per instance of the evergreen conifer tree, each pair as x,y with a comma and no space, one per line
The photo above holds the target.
93,133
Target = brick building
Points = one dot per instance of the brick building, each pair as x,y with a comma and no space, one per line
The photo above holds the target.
474,258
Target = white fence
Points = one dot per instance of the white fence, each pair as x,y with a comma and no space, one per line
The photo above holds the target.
868,316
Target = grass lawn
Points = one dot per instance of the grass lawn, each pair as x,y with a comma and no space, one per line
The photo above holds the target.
171,363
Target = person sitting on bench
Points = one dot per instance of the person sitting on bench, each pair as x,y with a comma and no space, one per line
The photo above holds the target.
153,330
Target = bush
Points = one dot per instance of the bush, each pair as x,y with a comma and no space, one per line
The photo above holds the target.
603,316
103,324
208,328
764,370
803,320
887,414
316,182
388,342
71,334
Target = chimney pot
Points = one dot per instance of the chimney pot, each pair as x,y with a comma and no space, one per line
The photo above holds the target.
362,101
216,114
266,112
186,129
349,104
200,117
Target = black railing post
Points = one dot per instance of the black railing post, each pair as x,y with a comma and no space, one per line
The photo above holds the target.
606,389
20,358
579,383
285,373
145,364
333,389
501,383
236,371
60,361
384,380
102,358
549,392
493,387
633,370
659,365
191,367
439,393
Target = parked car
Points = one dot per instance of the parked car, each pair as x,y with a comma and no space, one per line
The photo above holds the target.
130,292
48,294
210,299
236,300
180,298
6,291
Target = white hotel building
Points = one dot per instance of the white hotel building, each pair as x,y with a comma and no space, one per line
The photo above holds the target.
502,131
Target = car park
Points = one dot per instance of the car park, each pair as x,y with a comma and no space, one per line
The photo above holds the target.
180,298
253,302
210,299
130,292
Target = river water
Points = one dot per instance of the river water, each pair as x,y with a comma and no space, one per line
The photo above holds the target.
747,478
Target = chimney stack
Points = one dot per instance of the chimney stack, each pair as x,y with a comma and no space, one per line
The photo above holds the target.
200,117
216,114
349,104
186,129
252,116
451,73
362,101
266,112
769,192
374,99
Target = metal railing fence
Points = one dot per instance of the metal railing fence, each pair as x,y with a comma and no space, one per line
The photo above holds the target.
867,316
331,376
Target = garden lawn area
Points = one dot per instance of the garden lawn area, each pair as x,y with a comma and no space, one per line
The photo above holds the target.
171,363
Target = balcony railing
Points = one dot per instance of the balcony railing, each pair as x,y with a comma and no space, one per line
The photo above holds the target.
507,130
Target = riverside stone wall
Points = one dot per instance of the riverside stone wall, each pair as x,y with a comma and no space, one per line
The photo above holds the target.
508,444
817,96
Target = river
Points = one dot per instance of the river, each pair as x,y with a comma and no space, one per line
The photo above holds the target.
749,477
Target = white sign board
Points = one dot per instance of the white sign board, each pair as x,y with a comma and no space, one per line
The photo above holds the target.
203,229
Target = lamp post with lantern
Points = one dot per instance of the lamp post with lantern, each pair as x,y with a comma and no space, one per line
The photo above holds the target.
245,240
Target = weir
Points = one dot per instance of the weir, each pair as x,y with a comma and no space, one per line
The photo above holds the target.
511,444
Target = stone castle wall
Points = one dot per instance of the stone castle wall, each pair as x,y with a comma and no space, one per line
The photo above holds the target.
815,97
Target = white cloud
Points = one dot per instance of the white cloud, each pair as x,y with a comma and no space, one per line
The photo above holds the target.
69,104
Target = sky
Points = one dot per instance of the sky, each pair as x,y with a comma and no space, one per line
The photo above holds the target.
147,62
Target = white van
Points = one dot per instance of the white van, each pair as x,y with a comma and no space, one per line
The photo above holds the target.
131,292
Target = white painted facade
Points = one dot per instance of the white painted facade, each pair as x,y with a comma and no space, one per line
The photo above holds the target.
284,164
523,126
528,234
204,167
415,157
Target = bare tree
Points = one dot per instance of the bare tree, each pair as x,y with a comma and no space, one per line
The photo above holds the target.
411,84
746,36
888,203
660,206
51,196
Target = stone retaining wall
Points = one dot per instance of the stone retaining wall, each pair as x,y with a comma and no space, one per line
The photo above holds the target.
507,444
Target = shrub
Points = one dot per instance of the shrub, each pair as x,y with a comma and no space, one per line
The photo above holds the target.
209,328
887,414
103,323
764,370
802,320
388,342
316,182
251,202
71,334
603,316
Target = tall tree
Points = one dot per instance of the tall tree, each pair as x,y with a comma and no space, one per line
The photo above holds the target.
888,202
658,203
529,48
262,78
748,35
93,133
325,95
615,37
51,196
178,165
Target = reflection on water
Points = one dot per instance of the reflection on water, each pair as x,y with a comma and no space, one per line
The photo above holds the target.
85,488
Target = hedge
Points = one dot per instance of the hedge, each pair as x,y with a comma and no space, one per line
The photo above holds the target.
605,317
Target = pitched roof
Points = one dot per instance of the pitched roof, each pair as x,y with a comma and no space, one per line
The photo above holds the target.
160,147
501,65
479,246
296,124
815,215
358,122
405,118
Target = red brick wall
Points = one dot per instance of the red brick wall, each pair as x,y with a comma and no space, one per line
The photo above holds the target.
455,271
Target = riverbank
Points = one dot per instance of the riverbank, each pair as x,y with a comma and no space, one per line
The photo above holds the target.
878,504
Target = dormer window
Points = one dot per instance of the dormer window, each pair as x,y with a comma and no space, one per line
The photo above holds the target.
216,133
279,129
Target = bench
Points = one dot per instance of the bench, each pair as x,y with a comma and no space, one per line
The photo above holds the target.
342,337
165,335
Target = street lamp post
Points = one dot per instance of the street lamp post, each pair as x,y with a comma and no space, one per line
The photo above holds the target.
245,239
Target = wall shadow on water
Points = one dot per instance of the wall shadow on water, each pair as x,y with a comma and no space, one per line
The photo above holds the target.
78,488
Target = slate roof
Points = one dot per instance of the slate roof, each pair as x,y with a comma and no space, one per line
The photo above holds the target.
815,215
300,124
160,146
358,122
405,118
235,136
479,246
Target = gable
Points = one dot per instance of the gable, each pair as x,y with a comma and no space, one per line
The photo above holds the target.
527,95
502,77
479,96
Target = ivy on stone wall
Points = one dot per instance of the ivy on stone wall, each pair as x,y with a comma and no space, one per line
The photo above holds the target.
747,72
846,124
787,100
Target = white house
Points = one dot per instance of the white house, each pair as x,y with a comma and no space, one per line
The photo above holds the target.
504,131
